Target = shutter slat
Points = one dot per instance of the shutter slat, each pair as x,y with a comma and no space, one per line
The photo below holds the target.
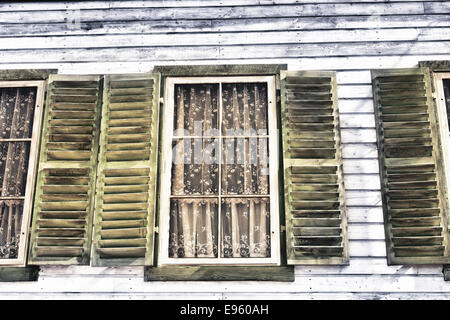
314,201
127,171
64,201
414,204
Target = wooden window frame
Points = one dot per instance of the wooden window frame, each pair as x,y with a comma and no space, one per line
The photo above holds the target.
166,145
281,273
32,165
444,132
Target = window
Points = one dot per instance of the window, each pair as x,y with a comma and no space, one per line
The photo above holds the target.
442,85
20,117
219,200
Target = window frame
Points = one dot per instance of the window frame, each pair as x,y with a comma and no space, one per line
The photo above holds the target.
442,118
166,165
32,166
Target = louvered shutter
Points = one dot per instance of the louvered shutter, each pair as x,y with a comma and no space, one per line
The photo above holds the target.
125,204
314,192
410,163
64,201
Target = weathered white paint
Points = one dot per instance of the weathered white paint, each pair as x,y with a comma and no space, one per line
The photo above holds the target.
350,37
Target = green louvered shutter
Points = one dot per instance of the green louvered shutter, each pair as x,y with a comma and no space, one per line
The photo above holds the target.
64,201
412,188
125,205
313,180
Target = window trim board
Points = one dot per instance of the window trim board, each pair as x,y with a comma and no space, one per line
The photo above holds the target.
220,273
166,158
442,123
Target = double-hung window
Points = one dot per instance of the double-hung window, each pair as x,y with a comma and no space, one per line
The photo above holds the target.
442,86
20,116
219,195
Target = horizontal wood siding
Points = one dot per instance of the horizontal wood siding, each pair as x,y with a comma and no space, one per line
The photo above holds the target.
350,37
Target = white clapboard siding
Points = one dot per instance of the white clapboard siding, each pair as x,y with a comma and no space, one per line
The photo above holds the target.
361,166
362,63
359,151
218,52
352,135
356,120
304,283
362,182
363,198
363,214
75,26
348,36
356,105
235,296
354,91
217,38
353,77
158,3
243,11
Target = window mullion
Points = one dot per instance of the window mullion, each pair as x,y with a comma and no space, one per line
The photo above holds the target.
219,205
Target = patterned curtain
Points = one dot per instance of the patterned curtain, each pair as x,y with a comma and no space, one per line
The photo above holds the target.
198,183
16,122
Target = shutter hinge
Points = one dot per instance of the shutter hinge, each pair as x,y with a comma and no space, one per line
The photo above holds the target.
161,100
156,229
434,95
283,228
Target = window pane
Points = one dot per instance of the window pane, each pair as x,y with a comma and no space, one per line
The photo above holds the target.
10,226
195,169
193,228
197,222
446,83
244,109
196,109
245,166
13,168
245,228
16,112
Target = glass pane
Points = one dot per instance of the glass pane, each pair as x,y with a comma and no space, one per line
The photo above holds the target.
196,109
16,112
446,83
244,109
10,226
194,167
13,168
244,221
193,228
245,228
245,168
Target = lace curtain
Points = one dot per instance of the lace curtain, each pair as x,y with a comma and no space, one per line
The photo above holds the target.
209,217
16,122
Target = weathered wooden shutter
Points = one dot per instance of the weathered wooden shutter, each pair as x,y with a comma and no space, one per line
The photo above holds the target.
412,188
314,192
64,201
124,224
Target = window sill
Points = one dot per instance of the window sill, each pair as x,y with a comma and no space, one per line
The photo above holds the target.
219,273
12,274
